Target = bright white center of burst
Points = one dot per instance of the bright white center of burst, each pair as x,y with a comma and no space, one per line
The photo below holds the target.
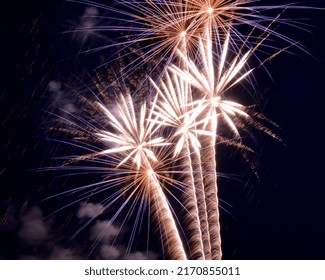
210,10
149,172
140,147
183,34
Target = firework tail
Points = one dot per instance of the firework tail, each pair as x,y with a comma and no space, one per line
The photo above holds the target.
201,203
209,210
190,203
195,160
160,209
209,168
194,194
173,96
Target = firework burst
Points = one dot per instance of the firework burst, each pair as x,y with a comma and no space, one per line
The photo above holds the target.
147,151
134,138
126,147
156,28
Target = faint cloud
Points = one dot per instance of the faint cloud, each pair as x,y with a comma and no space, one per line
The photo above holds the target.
104,232
109,252
90,210
54,86
34,230
61,102
60,253
70,108
91,11
86,27
141,256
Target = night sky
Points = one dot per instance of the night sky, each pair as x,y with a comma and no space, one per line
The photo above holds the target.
279,215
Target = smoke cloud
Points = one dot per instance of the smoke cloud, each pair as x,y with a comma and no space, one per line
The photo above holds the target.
34,230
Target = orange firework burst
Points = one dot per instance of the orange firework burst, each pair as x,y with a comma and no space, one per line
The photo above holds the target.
161,27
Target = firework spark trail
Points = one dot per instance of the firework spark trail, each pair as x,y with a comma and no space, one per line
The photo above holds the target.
202,207
195,155
176,94
212,87
209,168
171,107
166,223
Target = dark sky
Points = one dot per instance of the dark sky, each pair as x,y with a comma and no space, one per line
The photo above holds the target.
281,215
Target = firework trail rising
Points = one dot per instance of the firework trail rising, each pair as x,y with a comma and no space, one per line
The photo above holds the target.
173,112
211,88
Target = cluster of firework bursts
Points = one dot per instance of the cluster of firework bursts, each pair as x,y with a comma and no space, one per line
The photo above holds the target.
156,147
